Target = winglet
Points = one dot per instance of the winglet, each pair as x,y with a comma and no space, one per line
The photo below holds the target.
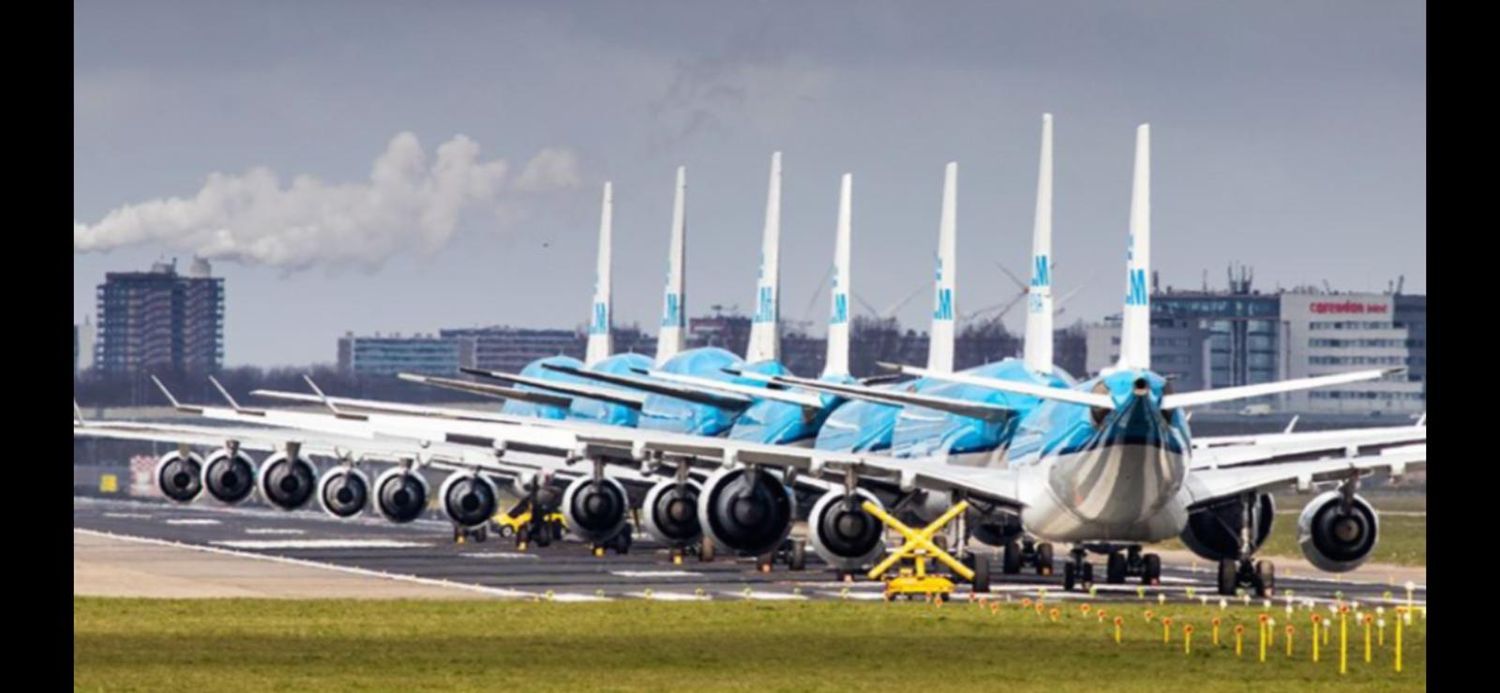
1037,347
1292,424
940,341
173,400
319,392
77,414
1422,421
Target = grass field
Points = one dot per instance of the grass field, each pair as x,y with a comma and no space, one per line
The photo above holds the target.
1403,537
233,645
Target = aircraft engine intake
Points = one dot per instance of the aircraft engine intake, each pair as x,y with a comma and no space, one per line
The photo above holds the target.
1336,538
180,476
469,499
746,510
343,491
229,476
595,508
670,512
843,534
1213,531
287,482
400,494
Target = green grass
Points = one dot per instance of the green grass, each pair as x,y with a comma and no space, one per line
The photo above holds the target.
232,645
1403,538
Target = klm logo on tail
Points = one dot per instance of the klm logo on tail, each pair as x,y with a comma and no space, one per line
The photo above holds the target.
944,309
1136,296
600,325
1041,272
765,306
672,316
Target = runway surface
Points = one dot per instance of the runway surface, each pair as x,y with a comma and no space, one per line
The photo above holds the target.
423,554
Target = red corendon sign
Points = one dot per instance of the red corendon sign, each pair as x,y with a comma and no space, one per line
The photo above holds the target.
1349,307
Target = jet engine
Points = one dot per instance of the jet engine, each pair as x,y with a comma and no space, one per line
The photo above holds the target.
469,499
1213,531
343,491
400,494
287,481
179,475
1337,536
843,534
595,508
670,512
229,475
747,510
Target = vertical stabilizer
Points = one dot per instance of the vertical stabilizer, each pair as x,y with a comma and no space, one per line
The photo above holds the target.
837,363
669,340
599,346
765,332
1135,328
1038,345
940,343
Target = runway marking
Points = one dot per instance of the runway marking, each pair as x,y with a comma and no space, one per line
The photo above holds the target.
768,596
501,554
865,596
481,589
273,530
128,516
192,521
319,544
671,596
654,573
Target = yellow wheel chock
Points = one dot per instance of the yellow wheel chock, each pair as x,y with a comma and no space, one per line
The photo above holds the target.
919,548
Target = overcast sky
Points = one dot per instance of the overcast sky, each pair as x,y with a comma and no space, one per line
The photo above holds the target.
398,166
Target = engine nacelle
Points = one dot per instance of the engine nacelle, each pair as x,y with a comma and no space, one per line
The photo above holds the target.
595,509
229,477
670,512
843,534
1336,540
343,491
750,513
1213,531
287,482
400,494
179,476
994,529
468,498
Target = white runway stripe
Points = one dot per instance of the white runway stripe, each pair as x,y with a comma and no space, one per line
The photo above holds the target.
767,596
654,573
490,591
502,554
192,521
274,530
670,596
319,544
128,516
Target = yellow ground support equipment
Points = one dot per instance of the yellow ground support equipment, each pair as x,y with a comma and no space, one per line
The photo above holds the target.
920,549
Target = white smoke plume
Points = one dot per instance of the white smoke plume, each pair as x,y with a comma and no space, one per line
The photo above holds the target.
407,204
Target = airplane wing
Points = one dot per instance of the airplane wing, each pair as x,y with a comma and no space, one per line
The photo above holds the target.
993,485
1211,484
496,391
1290,447
1088,399
1394,433
1227,394
725,400
603,394
812,402
976,410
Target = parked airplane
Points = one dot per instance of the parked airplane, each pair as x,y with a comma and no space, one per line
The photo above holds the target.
1107,464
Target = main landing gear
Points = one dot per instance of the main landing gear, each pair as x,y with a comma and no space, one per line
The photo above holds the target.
1019,554
1120,566
1245,571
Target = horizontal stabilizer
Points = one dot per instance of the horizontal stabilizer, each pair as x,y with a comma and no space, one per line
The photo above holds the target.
984,411
805,401
506,393
1228,394
727,401
603,394
1088,399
